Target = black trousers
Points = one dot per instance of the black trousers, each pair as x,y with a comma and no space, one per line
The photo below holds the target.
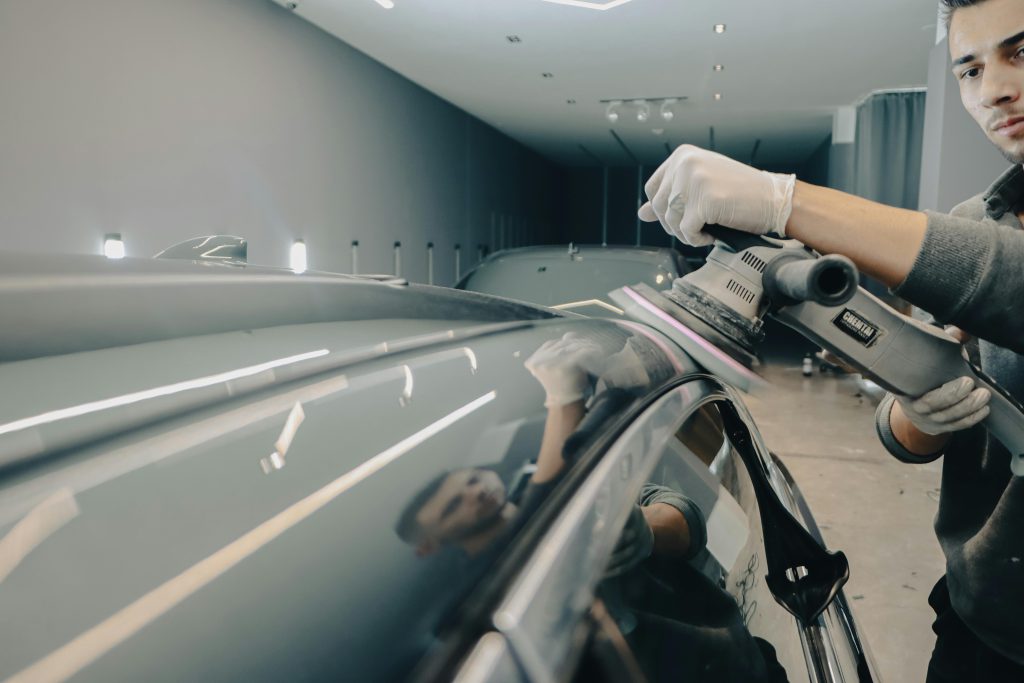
959,657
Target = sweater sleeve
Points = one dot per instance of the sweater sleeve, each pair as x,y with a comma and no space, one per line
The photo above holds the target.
968,273
985,558
655,493
888,439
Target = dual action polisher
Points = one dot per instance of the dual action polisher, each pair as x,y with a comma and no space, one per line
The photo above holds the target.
716,314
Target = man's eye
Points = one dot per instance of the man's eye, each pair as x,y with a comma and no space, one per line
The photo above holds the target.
1020,52
969,73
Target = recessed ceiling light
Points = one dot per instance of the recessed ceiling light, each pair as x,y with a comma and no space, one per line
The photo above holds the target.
718,96
547,75
513,39
386,4
719,67
719,28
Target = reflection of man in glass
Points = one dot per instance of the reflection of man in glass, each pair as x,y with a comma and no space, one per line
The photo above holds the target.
471,508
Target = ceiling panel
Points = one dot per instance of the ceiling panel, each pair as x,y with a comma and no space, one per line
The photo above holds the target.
788,65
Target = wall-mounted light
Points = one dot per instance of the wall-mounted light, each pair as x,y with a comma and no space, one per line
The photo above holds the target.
113,245
386,4
719,28
612,111
297,259
719,67
718,96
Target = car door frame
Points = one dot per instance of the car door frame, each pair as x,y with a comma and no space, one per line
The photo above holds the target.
830,645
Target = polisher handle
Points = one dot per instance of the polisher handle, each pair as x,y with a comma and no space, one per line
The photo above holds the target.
797,277
737,240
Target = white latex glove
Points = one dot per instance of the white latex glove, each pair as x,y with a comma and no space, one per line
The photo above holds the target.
695,187
562,367
954,406
624,369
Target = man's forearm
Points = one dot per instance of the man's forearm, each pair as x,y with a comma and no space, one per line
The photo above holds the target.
912,438
883,241
559,426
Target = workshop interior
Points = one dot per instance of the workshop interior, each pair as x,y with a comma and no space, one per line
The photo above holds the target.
367,340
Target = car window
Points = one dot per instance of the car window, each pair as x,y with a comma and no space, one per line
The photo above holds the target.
686,585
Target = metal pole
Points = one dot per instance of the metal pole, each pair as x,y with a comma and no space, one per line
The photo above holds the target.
458,262
398,259
604,211
430,263
355,257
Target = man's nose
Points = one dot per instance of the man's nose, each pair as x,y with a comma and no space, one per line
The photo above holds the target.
1001,85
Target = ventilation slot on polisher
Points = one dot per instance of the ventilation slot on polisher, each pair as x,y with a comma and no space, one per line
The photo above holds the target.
753,261
740,291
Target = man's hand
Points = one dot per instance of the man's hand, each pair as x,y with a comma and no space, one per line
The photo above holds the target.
695,187
562,366
954,406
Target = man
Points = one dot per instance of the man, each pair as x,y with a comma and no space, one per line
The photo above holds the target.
966,269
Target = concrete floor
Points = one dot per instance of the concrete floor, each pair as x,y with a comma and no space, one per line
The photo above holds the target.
876,509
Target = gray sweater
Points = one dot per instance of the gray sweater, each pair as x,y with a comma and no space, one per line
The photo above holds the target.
970,273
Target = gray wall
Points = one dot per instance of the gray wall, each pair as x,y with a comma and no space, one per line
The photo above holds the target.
166,119
958,161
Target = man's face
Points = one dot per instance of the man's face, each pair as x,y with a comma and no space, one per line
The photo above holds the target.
467,502
986,43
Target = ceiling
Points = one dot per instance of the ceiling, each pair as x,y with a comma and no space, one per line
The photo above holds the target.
788,65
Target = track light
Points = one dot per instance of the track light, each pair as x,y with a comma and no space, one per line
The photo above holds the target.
643,110
666,113
298,256
113,245
612,111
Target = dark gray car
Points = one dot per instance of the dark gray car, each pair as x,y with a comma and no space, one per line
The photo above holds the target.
233,473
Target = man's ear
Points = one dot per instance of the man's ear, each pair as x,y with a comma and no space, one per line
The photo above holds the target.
427,547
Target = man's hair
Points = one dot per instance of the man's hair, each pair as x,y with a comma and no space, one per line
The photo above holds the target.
947,7
408,527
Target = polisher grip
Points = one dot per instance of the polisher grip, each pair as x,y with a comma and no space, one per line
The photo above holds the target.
798,277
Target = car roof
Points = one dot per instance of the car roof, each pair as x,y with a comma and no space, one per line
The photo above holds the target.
610,251
57,304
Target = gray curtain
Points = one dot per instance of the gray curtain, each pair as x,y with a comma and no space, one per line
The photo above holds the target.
884,162
887,148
